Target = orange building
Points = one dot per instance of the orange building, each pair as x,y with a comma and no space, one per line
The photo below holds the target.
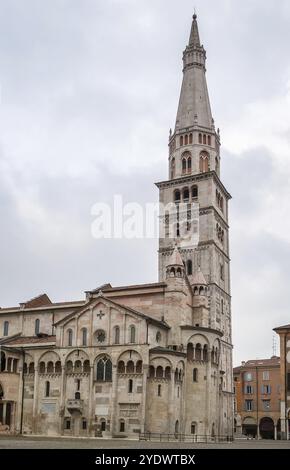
257,388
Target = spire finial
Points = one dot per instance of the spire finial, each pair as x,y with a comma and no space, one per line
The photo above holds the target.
194,35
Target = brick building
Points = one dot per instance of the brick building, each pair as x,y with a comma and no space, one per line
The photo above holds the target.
257,388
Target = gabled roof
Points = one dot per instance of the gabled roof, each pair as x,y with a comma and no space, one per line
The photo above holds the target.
161,350
27,340
149,319
41,300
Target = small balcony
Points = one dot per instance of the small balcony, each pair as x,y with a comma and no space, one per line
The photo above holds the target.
74,405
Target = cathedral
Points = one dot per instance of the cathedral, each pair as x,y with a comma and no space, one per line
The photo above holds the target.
150,358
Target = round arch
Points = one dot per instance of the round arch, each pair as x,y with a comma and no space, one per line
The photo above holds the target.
267,428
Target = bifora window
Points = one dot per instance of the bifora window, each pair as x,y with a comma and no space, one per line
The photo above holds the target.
104,369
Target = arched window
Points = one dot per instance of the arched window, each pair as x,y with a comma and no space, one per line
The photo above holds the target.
104,369
151,372
204,139
121,367
177,195
122,425
208,140
185,194
6,328
194,192
186,140
159,391
205,353
183,165
130,369
190,138
130,386
69,337
50,367
15,365
176,427
189,165
47,389
37,326
67,424
181,141
189,267
172,175
193,428
190,352
84,337
139,367
200,138
195,375
204,162
132,334
57,367
87,367
198,352
158,336
78,367
168,373
25,368
69,367
42,368
159,372
117,335
103,425
77,396
3,361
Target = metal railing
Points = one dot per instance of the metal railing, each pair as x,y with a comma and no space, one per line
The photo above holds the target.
194,438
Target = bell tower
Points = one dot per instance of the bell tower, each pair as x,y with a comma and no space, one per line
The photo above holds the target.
194,178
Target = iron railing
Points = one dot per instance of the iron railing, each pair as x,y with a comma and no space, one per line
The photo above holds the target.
194,438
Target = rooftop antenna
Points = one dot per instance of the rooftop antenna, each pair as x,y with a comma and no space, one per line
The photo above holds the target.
274,346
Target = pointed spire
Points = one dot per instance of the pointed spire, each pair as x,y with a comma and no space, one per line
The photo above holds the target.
194,34
175,258
198,278
194,105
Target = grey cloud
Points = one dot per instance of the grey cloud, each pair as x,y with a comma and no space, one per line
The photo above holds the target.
89,90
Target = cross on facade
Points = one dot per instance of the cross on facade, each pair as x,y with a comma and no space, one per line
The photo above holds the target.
100,315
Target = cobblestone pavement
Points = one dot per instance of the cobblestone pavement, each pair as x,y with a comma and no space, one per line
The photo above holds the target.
9,442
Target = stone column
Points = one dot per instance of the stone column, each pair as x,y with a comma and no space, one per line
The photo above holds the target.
91,416
144,398
171,403
275,432
114,406
287,429
62,399
20,397
35,400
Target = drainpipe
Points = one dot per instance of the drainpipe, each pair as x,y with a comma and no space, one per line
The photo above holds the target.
22,398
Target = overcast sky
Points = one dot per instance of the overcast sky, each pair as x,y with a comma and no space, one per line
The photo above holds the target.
89,90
